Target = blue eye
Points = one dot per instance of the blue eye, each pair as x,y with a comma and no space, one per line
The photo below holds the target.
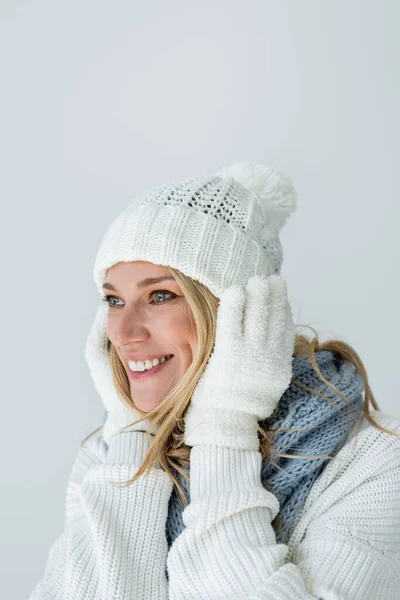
164,292
108,298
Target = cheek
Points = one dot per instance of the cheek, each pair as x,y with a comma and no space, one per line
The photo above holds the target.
112,326
179,328
110,333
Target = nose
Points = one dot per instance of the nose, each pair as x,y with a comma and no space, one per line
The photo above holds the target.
129,328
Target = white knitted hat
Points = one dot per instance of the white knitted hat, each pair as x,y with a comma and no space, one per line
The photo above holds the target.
220,230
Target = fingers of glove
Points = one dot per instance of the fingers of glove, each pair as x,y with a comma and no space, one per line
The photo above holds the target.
257,311
276,388
230,316
290,329
280,322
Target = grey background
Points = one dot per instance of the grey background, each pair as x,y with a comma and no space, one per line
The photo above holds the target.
102,100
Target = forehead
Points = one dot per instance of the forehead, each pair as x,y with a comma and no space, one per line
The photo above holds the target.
141,273
136,269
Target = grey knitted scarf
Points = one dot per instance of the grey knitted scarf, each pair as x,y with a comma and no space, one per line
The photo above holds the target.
326,430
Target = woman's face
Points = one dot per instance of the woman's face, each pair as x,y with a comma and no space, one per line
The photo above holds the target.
149,321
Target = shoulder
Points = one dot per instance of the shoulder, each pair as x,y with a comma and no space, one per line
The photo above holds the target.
94,444
368,449
367,453
91,452
361,482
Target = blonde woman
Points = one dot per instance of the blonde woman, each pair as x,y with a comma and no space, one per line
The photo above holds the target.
238,458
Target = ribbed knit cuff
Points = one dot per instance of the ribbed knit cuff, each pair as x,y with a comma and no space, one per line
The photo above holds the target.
129,448
214,470
221,427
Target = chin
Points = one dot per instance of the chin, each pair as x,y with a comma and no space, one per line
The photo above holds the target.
146,406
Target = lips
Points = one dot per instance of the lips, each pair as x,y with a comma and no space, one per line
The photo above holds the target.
146,374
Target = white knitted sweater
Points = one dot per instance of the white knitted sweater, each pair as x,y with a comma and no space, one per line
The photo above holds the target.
346,544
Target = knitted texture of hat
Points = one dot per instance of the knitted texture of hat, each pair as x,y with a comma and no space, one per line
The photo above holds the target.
290,479
219,229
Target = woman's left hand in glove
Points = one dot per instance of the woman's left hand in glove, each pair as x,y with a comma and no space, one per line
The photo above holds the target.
250,367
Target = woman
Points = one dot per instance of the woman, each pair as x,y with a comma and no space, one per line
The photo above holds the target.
191,489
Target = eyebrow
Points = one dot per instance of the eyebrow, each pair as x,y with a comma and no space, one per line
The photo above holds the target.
141,284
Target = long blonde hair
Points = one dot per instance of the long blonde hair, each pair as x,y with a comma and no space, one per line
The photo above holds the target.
168,449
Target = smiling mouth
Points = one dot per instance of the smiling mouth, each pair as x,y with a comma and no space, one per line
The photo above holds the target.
149,372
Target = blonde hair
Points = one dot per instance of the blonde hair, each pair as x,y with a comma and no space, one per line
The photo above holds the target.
168,449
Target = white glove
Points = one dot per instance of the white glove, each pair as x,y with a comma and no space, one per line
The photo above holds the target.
249,369
119,415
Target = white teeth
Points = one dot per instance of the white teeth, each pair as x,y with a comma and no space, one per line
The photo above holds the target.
148,364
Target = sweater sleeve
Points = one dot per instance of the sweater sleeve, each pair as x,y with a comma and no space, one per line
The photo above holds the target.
350,550
114,543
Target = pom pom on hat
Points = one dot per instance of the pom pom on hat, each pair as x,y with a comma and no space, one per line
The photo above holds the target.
272,187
